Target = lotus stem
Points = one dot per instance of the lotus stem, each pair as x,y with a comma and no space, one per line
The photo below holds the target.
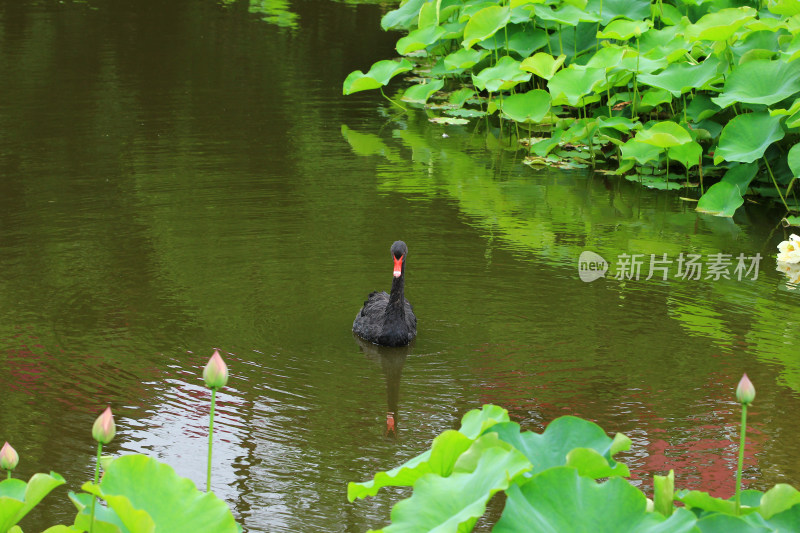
96,480
210,438
392,101
774,182
741,460
9,474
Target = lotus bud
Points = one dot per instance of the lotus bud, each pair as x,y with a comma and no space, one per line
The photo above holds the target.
104,428
745,392
215,374
8,457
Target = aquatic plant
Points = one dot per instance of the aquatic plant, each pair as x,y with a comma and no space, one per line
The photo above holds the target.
215,375
141,494
551,483
711,88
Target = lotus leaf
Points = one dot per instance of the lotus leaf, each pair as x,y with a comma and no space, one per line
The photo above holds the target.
419,39
379,75
701,107
746,137
458,98
455,503
679,78
449,121
664,493
794,160
724,198
477,421
464,58
465,113
622,30
419,94
404,17
654,97
531,106
640,152
611,9
760,81
720,25
503,76
484,24
17,498
542,64
664,135
784,7
654,182
440,460
664,43
721,523
779,498
518,39
106,519
575,82
607,57
564,434
139,488
567,14
687,154
559,498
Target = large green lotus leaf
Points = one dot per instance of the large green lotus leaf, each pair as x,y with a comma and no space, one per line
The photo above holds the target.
611,9
439,460
17,498
607,57
567,15
653,97
788,520
720,25
559,499
455,503
379,75
459,98
746,137
760,81
575,82
501,77
419,94
722,523
687,154
721,199
484,24
701,107
139,488
464,58
784,7
640,152
477,421
779,498
703,501
62,529
560,437
679,78
663,43
106,519
666,134
531,106
794,160
404,17
543,64
622,30
623,124
419,39
526,42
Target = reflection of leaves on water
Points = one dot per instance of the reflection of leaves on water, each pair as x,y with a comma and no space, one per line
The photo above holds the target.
273,11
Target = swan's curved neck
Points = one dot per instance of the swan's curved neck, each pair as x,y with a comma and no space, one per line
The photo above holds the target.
396,297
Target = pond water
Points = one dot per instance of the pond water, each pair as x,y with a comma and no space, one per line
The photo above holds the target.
183,176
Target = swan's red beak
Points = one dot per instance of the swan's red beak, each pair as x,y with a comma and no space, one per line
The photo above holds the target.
398,267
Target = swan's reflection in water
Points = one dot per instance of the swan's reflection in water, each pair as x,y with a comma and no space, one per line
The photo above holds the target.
391,361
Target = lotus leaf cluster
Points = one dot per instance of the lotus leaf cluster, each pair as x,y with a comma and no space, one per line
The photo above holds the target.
564,479
710,90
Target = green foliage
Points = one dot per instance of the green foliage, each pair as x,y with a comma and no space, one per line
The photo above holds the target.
17,498
723,73
551,484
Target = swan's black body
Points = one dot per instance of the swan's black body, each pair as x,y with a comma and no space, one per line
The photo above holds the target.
388,319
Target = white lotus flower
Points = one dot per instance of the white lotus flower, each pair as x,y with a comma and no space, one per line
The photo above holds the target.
789,251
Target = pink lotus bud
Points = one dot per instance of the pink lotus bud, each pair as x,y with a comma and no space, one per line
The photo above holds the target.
104,428
8,457
745,392
215,374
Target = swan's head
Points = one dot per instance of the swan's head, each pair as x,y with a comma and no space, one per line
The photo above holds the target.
399,252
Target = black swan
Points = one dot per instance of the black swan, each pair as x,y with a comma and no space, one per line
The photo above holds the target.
388,319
